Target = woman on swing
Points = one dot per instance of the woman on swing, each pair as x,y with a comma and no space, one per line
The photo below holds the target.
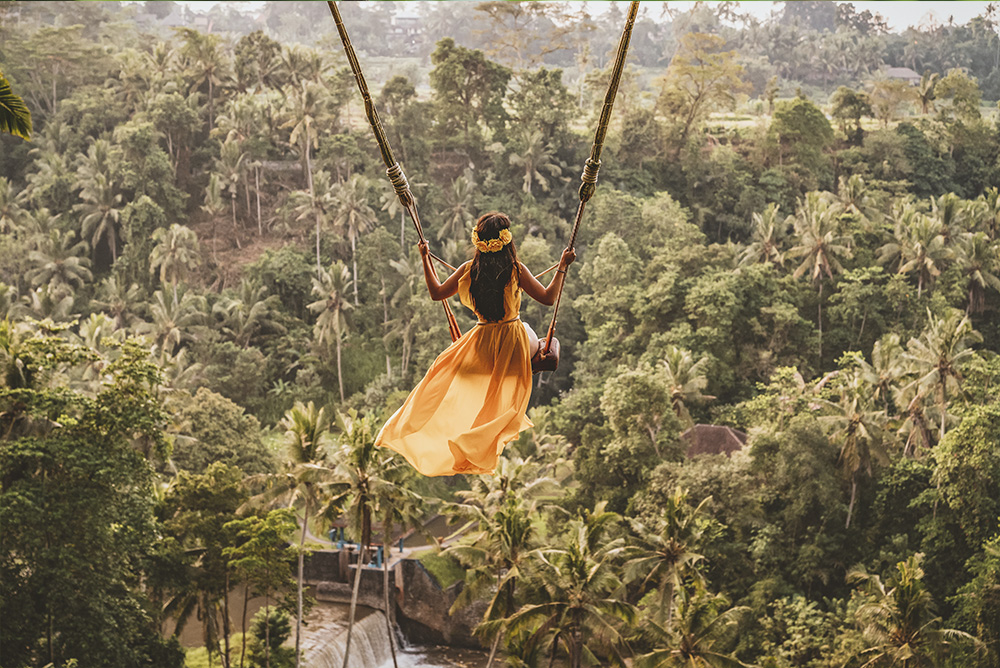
473,399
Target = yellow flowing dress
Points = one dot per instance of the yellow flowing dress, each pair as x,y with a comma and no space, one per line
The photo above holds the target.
472,401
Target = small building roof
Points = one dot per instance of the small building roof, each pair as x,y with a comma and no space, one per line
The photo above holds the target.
713,439
902,73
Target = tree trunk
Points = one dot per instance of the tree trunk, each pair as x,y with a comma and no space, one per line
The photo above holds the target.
402,234
298,619
226,630
267,631
819,318
850,507
668,606
243,645
236,235
354,260
340,375
354,605
493,649
385,591
260,224
318,266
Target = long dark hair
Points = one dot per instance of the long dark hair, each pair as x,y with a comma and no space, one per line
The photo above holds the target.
491,272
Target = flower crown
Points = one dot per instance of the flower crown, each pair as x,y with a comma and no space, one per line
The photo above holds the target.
491,245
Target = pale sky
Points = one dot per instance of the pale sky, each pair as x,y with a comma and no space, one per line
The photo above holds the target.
900,14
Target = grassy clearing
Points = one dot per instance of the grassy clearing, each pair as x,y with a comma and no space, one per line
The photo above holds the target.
444,569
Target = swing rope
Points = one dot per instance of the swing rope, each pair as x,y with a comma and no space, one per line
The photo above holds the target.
593,164
402,187
392,168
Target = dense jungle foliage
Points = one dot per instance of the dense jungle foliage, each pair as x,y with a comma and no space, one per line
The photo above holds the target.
210,300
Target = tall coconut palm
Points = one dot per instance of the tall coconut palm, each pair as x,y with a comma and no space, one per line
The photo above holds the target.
578,607
979,260
459,212
917,244
534,156
319,207
331,309
173,318
499,511
991,212
214,206
767,237
246,313
101,212
230,168
686,381
937,354
821,245
307,475
205,63
898,622
856,427
305,104
661,558
10,207
175,254
353,216
704,636
367,480
886,370
15,117
60,261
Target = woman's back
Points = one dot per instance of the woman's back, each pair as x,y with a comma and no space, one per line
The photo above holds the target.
510,293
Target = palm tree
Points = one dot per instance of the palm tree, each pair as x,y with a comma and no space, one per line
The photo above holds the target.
101,213
499,509
206,64
367,481
887,368
15,117
305,427
953,215
354,216
917,245
213,205
768,234
304,104
175,254
856,428
704,637
662,559
578,605
535,156
938,352
246,313
173,319
320,206
897,621
821,245
60,262
230,170
459,211
332,307
686,380
10,208
979,259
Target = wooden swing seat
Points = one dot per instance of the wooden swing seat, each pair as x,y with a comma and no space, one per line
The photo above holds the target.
549,362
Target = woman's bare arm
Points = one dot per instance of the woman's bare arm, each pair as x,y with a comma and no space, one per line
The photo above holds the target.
547,294
438,289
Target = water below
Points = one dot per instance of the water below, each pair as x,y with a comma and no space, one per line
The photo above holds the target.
325,635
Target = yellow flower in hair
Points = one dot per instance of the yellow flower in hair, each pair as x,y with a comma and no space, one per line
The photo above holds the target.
491,245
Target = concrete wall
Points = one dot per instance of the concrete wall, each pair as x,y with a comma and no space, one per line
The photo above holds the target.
420,606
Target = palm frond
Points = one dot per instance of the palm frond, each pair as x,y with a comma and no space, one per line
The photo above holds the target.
15,117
